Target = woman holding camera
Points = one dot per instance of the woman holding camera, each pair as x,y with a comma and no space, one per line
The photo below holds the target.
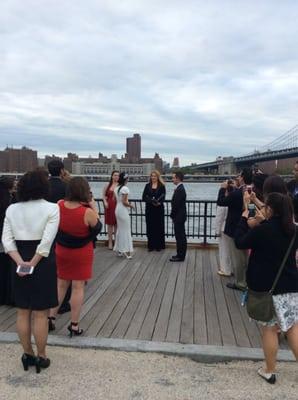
30,227
269,243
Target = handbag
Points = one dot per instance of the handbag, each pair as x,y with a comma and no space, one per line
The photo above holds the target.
260,305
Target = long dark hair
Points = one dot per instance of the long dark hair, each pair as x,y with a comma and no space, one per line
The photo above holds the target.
282,207
274,184
111,180
122,179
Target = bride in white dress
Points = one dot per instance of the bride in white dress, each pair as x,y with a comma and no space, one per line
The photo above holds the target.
123,241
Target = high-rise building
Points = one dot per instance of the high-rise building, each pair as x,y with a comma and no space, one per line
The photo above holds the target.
133,148
18,160
176,164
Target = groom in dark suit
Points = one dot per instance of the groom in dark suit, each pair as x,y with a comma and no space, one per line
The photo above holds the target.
178,215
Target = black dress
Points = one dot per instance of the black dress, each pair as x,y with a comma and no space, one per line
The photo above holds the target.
39,290
7,274
155,214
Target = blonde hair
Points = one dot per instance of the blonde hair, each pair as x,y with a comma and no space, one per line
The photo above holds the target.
159,178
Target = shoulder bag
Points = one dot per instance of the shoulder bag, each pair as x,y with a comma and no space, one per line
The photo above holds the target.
259,305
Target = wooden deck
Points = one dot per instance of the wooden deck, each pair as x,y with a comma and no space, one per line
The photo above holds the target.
150,298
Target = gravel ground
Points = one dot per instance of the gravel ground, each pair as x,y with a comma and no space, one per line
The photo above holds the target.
96,374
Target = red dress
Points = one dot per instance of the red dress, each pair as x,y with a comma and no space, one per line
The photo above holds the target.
110,218
74,264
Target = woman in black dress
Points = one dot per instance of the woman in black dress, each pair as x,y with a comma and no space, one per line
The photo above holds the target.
154,195
29,229
6,270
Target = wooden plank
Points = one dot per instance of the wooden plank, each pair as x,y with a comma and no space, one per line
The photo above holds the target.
174,326
107,302
113,319
200,322
139,316
213,329
88,312
124,322
225,324
161,327
187,323
148,326
240,332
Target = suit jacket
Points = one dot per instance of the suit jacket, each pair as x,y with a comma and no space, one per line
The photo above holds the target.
234,202
292,187
57,189
178,212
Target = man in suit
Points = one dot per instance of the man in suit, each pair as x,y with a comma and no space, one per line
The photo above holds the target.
178,215
57,186
234,201
57,192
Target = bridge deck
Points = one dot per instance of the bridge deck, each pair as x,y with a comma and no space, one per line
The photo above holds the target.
150,298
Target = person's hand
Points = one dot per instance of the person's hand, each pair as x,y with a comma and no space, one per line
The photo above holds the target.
27,263
260,217
246,199
253,197
131,206
245,213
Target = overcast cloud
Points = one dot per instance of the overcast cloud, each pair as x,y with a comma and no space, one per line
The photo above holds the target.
196,79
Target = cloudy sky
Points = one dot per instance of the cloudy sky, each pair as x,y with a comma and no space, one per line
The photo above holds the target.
196,78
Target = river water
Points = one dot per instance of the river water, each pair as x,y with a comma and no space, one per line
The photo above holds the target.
195,190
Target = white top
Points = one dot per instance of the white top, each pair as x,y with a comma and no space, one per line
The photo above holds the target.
123,190
31,220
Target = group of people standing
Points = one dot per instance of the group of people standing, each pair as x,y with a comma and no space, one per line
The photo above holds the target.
117,218
258,243
49,225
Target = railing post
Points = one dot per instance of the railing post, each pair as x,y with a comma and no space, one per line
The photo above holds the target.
205,223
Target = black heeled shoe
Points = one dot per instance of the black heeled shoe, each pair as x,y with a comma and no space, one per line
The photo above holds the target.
42,363
52,326
74,332
28,360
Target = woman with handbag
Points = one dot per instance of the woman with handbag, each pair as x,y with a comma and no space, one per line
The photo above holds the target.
272,269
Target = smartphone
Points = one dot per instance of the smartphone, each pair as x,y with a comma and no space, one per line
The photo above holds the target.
25,269
251,210
249,189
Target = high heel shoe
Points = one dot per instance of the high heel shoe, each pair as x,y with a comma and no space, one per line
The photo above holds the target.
52,326
42,363
128,256
74,332
28,360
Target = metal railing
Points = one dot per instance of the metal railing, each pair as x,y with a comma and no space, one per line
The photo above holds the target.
199,226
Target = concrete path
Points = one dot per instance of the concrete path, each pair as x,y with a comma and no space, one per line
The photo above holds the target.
81,374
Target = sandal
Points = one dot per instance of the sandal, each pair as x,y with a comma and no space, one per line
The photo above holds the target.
51,323
74,332
221,273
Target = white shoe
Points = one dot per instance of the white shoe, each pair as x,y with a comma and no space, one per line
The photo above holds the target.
119,254
128,256
268,376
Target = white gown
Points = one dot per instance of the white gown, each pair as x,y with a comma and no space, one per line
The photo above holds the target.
123,240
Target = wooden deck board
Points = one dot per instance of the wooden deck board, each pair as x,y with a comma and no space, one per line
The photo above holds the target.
150,298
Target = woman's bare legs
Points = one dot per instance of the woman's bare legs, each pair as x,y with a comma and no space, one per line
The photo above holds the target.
62,289
76,300
24,330
292,336
40,331
270,347
110,236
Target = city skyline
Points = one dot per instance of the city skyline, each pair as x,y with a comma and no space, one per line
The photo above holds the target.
196,80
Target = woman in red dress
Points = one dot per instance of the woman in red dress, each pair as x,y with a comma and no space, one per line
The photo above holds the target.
74,265
110,202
